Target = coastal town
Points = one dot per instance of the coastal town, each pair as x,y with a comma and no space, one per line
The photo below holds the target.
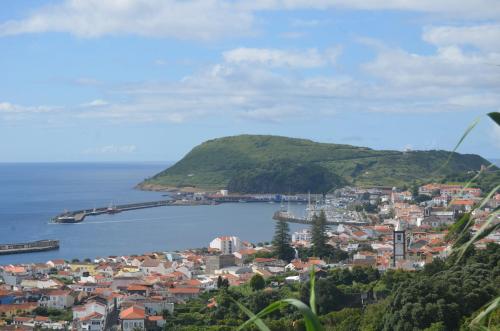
401,228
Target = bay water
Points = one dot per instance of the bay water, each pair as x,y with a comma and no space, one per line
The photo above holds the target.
32,193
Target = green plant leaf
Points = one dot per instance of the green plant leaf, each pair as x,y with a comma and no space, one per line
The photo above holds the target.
469,183
258,322
269,309
485,229
310,319
312,296
464,135
495,116
478,321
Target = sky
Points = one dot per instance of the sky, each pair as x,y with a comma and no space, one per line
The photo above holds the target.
147,80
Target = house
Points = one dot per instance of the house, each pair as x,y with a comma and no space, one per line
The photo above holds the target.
352,247
365,259
57,299
59,264
92,322
359,235
83,269
154,266
435,221
303,235
133,318
89,308
21,320
268,262
138,289
13,275
464,204
155,322
226,244
9,311
40,283
243,254
184,293
40,269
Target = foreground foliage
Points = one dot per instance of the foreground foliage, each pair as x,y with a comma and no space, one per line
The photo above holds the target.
444,296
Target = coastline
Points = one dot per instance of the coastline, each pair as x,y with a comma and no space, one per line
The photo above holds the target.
172,189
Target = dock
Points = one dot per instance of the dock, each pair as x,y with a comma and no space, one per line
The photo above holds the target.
29,247
78,216
290,218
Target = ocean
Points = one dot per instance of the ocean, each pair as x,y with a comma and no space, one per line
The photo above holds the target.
32,193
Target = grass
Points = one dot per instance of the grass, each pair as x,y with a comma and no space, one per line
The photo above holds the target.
217,162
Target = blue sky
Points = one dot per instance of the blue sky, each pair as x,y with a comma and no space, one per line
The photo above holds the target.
143,80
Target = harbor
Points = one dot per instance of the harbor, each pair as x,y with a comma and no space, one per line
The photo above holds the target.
29,247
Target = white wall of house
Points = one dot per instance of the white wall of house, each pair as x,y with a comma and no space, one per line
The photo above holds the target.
129,325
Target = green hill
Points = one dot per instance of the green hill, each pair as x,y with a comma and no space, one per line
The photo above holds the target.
259,164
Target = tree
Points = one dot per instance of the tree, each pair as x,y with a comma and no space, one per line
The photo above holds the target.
219,282
225,283
257,282
281,241
414,190
328,296
318,232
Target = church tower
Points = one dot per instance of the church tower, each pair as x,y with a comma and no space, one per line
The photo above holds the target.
399,245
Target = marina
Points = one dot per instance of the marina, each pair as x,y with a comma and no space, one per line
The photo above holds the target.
336,212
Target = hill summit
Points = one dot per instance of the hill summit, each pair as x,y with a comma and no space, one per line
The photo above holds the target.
274,164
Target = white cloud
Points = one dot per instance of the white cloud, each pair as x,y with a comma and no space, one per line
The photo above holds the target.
111,149
451,8
449,68
310,58
208,19
485,37
7,107
190,19
308,23
95,103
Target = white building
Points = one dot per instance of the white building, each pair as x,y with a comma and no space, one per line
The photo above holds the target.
88,309
133,318
227,244
302,235
57,299
92,322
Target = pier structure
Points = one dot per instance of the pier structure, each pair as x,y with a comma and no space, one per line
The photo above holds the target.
29,247
78,216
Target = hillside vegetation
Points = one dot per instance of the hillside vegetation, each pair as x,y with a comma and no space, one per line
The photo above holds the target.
262,164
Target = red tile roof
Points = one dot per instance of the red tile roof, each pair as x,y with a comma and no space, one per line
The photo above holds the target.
133,313
184,290
92,316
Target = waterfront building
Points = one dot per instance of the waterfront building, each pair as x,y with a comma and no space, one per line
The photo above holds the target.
303,235
226,244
